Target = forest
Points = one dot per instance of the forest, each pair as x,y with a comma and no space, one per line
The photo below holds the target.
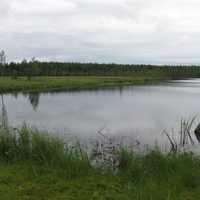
36,68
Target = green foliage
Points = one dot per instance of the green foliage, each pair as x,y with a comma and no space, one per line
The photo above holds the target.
57,76
38,148
52,83
36,68
14,74
161,176
35,165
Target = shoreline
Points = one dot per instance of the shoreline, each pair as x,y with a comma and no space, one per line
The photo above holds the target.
35,165
71,83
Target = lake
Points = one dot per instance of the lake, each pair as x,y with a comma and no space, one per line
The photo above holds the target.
142,112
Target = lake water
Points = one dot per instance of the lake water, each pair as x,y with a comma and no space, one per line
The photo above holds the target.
142,112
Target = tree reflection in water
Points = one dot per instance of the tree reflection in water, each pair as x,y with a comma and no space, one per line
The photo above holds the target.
34,100
3,114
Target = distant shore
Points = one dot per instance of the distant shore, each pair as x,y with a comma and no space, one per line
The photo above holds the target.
60,83
35,76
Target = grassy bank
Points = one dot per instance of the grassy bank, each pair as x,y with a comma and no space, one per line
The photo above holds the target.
34,165
8,84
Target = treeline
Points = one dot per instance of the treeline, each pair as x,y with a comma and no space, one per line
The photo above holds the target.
36,68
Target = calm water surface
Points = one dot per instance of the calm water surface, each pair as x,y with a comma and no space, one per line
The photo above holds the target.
142,112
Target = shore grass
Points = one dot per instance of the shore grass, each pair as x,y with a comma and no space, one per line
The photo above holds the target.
35,165
58,83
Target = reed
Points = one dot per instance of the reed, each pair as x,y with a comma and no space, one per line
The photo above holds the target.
39,149
183,137
35,165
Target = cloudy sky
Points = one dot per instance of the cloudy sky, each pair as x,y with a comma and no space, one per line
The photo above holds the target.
120,31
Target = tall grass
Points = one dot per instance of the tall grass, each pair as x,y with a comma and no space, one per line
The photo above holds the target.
39,149
184,137
153,175
161,176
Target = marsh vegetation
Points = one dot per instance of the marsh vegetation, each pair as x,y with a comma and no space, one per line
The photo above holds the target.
35,165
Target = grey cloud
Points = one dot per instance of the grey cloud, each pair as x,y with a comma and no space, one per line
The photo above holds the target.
123,31
4,9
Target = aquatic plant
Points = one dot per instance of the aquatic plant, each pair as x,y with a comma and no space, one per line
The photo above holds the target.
36,165
183,137
40,149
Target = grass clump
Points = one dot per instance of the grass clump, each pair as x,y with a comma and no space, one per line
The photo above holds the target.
161,176
41,150
35,165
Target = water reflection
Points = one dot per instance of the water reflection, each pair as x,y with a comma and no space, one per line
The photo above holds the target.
3,114
138,111
34,100
34,97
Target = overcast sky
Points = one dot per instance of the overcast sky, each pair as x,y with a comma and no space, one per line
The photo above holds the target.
119,31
